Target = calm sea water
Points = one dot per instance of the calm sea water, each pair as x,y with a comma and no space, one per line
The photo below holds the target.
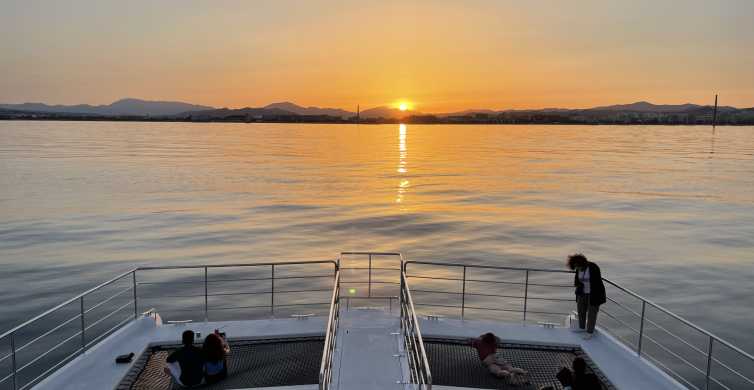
667,211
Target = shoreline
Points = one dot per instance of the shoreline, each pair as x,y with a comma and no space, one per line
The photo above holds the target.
371,122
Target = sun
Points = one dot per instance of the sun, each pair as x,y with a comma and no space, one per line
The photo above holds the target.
403,105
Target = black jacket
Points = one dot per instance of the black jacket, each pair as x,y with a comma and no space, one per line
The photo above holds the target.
191,360
596,287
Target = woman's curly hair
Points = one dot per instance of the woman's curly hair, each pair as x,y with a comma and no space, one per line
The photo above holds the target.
575,260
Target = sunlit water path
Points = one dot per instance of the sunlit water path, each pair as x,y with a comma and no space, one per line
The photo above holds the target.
667,211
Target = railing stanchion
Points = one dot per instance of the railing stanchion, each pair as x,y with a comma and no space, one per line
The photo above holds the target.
136,306
206,294
13,358
709,361
641,326
83,325
526,293
400,295
272,290
463,293
369,293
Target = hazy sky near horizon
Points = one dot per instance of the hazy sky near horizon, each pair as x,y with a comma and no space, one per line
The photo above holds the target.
441,55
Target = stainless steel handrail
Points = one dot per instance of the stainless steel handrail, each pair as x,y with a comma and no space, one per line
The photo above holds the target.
325,370
65,303
712,338
681,319
85,326
234,265
416,354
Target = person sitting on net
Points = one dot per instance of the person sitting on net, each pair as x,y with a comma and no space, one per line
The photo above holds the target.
578,379
215,354
486,346
583,380
565,377
186,364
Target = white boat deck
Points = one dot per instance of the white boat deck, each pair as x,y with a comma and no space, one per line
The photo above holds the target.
96,369
369,353
622,366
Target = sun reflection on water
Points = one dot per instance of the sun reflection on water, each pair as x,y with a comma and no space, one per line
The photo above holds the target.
402,164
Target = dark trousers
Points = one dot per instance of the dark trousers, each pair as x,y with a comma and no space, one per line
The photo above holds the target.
587,313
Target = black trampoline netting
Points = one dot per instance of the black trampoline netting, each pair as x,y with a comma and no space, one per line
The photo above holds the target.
454,363
252,363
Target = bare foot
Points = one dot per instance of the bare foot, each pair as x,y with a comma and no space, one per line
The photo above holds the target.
503,374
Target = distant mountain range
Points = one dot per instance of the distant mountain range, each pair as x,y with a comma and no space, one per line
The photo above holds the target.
298,110
136,107
639,112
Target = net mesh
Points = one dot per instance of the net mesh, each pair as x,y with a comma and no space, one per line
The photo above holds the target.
257,363
455,363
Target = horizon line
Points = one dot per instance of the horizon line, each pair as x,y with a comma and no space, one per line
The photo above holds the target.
383,105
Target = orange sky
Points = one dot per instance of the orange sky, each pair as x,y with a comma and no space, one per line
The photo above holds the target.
441,55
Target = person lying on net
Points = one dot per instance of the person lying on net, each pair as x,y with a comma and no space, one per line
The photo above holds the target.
186,364
486,346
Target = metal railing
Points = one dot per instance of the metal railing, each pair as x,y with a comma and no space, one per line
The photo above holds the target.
682,350
333,319
522,293
389,279
93,315
213,294
666,342
21,375
377,287
416,355
35,349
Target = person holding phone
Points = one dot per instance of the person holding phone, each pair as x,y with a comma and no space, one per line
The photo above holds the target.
215,351
590,291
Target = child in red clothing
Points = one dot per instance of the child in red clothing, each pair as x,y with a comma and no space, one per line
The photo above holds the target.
486,346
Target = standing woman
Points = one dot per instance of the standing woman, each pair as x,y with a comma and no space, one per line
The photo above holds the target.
590,291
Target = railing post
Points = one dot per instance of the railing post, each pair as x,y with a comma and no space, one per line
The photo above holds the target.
83,325
369,293
206,299
13,358
526,293
401,297
709,361
272,291
641,326
463,293
136,306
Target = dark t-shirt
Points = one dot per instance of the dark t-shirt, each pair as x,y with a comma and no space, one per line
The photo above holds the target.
586,382
191,361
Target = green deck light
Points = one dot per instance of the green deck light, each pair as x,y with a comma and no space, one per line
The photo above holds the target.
352,291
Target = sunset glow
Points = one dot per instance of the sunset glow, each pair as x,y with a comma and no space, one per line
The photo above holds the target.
497,55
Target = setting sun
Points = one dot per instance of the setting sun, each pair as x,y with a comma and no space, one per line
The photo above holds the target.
404,105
